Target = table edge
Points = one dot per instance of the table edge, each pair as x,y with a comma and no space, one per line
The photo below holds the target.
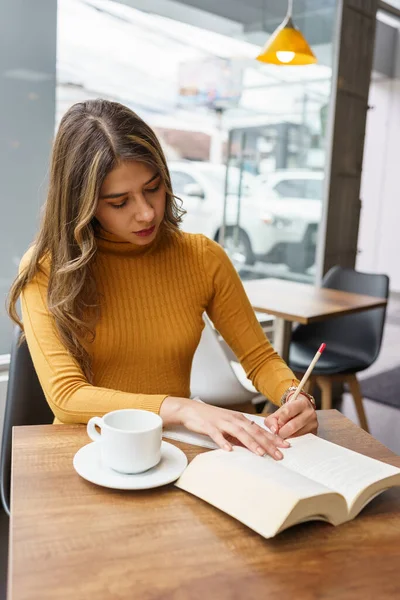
292,318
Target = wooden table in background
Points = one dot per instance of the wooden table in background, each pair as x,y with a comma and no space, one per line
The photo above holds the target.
72,540
291,302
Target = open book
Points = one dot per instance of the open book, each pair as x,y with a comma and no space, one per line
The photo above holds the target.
316,479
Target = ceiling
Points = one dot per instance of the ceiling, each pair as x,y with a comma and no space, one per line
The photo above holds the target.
251,20
248,18
268,14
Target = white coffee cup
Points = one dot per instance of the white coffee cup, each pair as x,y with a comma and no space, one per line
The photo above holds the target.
130,439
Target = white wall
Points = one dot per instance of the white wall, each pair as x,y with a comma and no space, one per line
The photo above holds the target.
27,113
379,236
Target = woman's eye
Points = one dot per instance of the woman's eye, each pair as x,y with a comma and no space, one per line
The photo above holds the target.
119,205
154,189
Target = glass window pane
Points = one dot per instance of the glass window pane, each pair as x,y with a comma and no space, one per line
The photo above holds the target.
314,189
291,188
236,128
395,3
179,181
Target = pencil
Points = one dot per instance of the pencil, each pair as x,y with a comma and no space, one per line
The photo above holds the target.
308,372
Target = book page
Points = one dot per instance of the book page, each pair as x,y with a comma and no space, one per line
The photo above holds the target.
266,468
337,468
259,491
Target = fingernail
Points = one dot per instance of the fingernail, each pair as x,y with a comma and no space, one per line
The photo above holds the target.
278,454
227,447
273,429
286,443
260,451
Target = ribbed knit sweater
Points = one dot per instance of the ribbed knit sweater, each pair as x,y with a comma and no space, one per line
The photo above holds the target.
152,300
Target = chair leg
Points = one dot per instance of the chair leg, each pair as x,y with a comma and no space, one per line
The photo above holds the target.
324,383
355,391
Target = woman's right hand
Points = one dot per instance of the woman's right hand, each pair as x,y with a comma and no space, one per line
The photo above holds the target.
220,424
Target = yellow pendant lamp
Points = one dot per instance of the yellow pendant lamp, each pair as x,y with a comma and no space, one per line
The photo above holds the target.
287,45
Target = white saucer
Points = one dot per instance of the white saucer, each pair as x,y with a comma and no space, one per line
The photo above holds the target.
88,464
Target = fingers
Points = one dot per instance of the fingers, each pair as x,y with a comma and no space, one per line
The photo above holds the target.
232,440
254,437
216,435
290,410
227,427
306,429
304,422
272,423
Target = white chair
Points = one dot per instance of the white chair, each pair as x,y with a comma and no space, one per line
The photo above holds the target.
216,379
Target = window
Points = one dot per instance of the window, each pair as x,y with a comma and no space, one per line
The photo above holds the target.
309,189
215,105
291,188
216,175
179,180
314,189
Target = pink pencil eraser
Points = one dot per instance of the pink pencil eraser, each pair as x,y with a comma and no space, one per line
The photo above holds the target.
322,348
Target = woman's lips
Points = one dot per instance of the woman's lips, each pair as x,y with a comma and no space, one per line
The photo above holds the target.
145,232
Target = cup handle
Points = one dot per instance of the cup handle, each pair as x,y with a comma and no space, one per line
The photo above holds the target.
91,428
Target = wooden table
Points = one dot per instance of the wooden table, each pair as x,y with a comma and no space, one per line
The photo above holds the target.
72,540
291,302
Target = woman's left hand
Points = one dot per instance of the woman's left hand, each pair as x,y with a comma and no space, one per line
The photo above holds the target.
293,418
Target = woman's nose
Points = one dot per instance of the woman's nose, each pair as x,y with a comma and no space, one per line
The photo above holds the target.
144,212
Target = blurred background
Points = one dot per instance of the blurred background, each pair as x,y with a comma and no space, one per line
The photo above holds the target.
254,150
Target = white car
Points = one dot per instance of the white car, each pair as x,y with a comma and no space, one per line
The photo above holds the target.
201,188
267,222
291,202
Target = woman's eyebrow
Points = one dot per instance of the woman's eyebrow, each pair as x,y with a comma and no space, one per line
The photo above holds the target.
155,176
119,194
113,195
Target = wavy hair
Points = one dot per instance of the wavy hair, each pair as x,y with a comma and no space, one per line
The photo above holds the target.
93,137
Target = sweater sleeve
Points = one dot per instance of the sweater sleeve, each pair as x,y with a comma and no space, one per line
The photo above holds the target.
233,316
70,396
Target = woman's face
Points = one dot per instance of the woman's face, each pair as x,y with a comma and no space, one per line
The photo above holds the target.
132,202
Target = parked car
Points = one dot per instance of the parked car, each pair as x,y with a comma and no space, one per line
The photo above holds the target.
291,203
201,187
272,225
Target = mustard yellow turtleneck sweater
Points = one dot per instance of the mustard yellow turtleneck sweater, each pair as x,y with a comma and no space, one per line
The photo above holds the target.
152,300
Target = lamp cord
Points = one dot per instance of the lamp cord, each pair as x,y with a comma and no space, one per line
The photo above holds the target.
290,9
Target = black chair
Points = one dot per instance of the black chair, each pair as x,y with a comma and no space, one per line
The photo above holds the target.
25,405
353,341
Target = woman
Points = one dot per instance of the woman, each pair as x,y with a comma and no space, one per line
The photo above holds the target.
113,293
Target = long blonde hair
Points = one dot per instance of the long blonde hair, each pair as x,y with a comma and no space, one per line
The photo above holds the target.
93,137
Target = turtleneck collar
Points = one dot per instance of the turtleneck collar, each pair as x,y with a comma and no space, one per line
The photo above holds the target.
111,243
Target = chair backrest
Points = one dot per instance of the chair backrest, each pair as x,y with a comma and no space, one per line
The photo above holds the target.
25,405
212,377
360,334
